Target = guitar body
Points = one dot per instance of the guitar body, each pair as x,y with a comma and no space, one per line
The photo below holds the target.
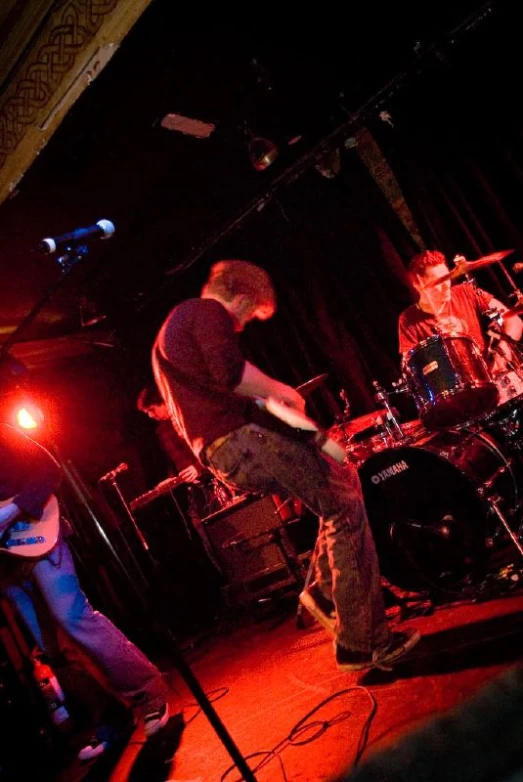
298,420
32,538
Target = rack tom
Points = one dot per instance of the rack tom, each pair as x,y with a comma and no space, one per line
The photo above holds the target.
450,381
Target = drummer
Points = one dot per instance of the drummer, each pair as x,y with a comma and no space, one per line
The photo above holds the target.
456,310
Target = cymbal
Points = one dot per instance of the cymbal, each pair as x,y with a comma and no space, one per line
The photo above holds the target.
517,309
355,425
311,385
469,267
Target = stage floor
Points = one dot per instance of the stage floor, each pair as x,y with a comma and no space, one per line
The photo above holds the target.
265,676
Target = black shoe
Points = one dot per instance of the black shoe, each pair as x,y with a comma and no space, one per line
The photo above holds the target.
385,658
320,607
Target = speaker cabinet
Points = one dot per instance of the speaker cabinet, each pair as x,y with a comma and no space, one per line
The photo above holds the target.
246,546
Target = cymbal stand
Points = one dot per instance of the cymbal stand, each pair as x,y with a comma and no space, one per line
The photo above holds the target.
391,420
515,290
495,332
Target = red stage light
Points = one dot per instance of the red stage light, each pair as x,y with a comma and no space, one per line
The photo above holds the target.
28,417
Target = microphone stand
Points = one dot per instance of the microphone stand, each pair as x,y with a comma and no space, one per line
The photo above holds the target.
67,262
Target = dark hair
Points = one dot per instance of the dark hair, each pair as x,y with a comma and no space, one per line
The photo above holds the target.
148,397
425,260
231,278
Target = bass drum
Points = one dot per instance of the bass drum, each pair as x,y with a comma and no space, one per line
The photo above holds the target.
428,508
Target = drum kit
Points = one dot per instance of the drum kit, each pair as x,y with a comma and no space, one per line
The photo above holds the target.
444,493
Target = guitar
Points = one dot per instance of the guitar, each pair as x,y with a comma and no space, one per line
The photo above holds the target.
297,420
31,538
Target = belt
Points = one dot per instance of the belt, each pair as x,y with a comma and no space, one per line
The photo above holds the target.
208,451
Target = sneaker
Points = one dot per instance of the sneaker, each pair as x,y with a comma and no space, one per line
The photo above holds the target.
384,659
155,720
320,607
100,741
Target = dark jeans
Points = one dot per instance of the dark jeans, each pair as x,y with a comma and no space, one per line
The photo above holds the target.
258,460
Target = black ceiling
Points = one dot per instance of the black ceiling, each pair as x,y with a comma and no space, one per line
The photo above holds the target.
167,193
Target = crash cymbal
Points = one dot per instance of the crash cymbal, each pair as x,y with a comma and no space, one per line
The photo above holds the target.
311,385
469,267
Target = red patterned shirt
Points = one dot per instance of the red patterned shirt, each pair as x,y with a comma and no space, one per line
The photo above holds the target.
467,304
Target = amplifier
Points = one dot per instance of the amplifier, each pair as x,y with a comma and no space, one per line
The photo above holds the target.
243,541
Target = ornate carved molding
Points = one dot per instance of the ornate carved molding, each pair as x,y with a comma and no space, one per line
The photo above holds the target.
72,47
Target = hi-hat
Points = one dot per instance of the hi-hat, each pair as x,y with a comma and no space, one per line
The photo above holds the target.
355,425
469,267
311,385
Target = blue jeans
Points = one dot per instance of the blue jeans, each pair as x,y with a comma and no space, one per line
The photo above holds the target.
258,460
128,672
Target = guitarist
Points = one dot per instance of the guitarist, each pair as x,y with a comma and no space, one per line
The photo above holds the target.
28,477
210,391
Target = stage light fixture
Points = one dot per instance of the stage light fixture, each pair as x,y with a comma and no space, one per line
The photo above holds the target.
28,417
262,152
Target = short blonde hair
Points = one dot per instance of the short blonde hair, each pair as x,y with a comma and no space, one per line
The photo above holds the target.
228,279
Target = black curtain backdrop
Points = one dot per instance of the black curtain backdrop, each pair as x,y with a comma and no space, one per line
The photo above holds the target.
337,250
335,247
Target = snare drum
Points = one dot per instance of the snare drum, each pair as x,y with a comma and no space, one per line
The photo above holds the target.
450,381
361,445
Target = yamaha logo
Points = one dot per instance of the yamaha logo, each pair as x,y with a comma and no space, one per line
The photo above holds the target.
389,472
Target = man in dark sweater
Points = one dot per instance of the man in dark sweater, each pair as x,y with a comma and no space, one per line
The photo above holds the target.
182,461
29,476
215,396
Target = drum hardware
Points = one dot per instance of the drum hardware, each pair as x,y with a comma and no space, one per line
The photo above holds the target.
401,386
346,405
495,502
391,421
488,484
465,268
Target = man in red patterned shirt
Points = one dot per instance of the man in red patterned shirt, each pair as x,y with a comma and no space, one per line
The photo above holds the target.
450,309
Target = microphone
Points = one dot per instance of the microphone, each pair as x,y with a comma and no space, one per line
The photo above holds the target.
110,476
441,530
103,229
518,267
